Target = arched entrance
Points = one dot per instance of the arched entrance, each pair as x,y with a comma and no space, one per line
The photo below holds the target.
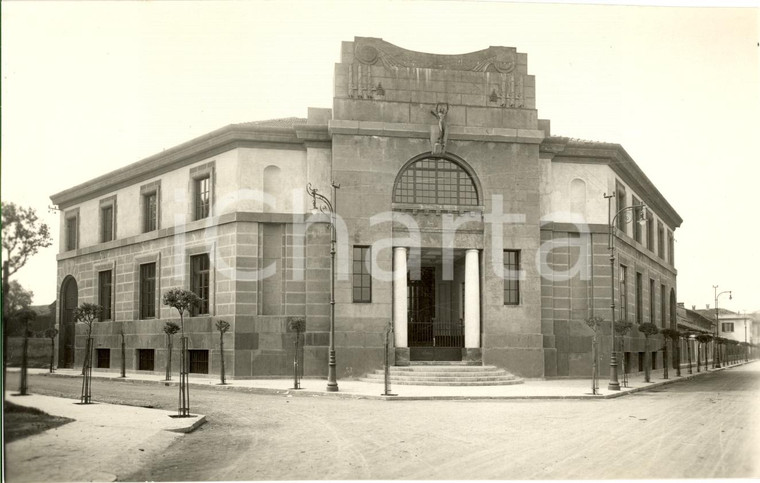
436,282
69,299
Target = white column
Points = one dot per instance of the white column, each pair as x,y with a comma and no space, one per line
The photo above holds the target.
399,296
471,300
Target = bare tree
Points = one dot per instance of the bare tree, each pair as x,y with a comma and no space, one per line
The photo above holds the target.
51,333
648,329
222,326
170,328
87,313
183,301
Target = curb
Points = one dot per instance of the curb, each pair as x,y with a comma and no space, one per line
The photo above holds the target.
344,395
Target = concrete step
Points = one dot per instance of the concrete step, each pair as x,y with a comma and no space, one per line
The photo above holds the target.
379,377
445,375
440,368
447,383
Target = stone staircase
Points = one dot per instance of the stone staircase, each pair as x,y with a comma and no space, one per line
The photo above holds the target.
445,374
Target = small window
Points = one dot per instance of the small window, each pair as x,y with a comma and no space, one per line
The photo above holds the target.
106,223
198,361
147,290
650,233
199,265
146,359
727,327
105,284
620,199
511,277
103,358
636,220
150,212
202,197
652,288
660,240
623,293
72,225
671,248
362,276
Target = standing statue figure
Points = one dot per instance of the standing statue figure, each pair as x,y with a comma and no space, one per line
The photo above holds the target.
439,145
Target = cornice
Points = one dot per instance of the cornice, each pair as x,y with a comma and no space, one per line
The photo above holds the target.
225,139
563,150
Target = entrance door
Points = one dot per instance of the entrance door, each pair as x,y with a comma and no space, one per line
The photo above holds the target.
69,300
431,338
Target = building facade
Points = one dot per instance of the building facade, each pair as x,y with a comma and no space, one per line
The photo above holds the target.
462,223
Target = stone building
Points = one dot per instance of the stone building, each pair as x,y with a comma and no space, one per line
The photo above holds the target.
461,220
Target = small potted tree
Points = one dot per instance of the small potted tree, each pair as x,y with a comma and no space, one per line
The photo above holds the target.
87,314
51,333
648,329
170,328
686,336
296,325
222,326
702,341
594,323
182,300
622,328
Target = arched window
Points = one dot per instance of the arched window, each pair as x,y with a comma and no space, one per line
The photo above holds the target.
435,181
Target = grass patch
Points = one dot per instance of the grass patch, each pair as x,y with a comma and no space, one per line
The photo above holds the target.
22,421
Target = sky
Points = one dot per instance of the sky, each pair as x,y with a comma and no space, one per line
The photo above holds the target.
89,87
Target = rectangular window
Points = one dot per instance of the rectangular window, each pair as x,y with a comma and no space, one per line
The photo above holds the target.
652,288
103,358
663,307
660,240
202,197
511,277
650,233
627,362
147,290
150,212
636,220
727,327
623,293
620,200
654,360
199,266
671,248
639,298
106,223
641,361
72,224
362,277
198,361
146,359
105,283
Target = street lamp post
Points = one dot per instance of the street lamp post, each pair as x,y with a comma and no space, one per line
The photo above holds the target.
716,354
321,204
628,212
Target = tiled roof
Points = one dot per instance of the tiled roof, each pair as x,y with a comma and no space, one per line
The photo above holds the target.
284,122
710,313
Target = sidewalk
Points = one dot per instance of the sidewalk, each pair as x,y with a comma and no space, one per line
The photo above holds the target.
530,389
103,441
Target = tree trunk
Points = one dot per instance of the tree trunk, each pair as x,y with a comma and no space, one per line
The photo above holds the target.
665,359
221,354
698,354
24,360
647,359
123,357
52,353
169,358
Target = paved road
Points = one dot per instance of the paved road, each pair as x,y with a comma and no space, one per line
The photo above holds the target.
705,428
